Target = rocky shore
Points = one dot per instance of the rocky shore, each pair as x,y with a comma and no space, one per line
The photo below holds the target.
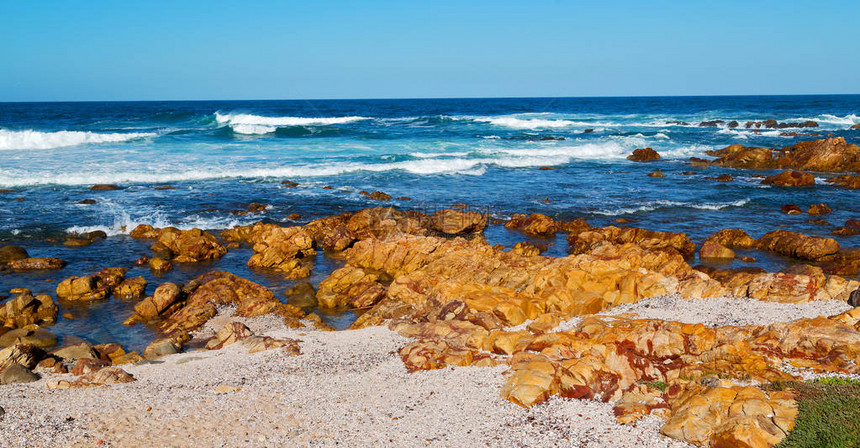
626,341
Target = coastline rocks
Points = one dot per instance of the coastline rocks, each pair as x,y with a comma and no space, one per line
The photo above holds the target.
791,209
222,288
644,155
331,233
350,286
159,266
790,178
824,155
12,253
237,332
91,287
536,224
17,373
797,245
585,241
656,174
162,347
453,222
107,375
713,250
725,415
77,351
277,248
104,187
188,246
132,288
302,295
24,309
773,124
164,296
29,335
379,196
819,209
846,181
36,264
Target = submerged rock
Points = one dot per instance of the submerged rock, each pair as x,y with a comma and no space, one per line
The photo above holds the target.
36,264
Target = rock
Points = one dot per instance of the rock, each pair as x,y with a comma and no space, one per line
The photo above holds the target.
379,196
22,354
132,288
302,295
721,178
87,288
12,253
163,298
711,123
222,288
87,202
713,250
350,286
23,309
846,181
107,375
37,338
255,344
656,174
735,238
161,347
845,231
790,178
77,351
588,240
791,209
160,266
454,222
17,373
644,155
854,298
88,365
104,187
797,245
856,126
289,184
542,226
36,264
819,209
825,155
229,334
188,246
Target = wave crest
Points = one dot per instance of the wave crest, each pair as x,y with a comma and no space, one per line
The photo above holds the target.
257,124
29,139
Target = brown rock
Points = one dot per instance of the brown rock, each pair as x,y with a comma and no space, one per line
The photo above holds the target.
379,196
846,181
644,155
790,178
107,375
797,245
791,209
12,253
189,246
536,224
36,264
23,309
302,295
104,187
819,209
160,266
713,250
656,174
132,288
453,222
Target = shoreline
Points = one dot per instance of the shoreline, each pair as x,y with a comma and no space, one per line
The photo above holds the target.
347,387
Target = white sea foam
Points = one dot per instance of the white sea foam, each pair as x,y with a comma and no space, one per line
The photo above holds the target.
253,129
29,139
236,119
654,205
122,222
529,123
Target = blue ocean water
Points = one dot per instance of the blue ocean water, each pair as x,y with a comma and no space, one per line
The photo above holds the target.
487,153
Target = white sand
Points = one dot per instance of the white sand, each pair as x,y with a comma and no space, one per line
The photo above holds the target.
348,388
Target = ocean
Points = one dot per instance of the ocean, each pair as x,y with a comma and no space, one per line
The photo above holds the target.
487,153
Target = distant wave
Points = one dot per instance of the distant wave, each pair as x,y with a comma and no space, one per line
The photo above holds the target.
654,205
527,123
256,124
29,139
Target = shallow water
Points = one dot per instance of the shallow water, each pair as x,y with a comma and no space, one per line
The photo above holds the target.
221,156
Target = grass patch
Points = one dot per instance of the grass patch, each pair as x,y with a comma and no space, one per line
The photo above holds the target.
829,413
657,385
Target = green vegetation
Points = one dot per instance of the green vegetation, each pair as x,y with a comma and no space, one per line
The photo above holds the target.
658,385
829,413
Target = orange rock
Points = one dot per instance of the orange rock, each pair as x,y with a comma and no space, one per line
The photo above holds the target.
644,155
818,209
712,250
452,222
790,178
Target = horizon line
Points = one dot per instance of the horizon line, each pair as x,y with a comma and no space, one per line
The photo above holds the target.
432,98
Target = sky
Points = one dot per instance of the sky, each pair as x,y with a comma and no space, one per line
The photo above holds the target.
71,50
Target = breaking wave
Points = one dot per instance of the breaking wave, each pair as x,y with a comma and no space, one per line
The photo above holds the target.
256,124
29,139
655,205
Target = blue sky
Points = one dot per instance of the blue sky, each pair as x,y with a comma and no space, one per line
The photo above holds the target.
113,50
